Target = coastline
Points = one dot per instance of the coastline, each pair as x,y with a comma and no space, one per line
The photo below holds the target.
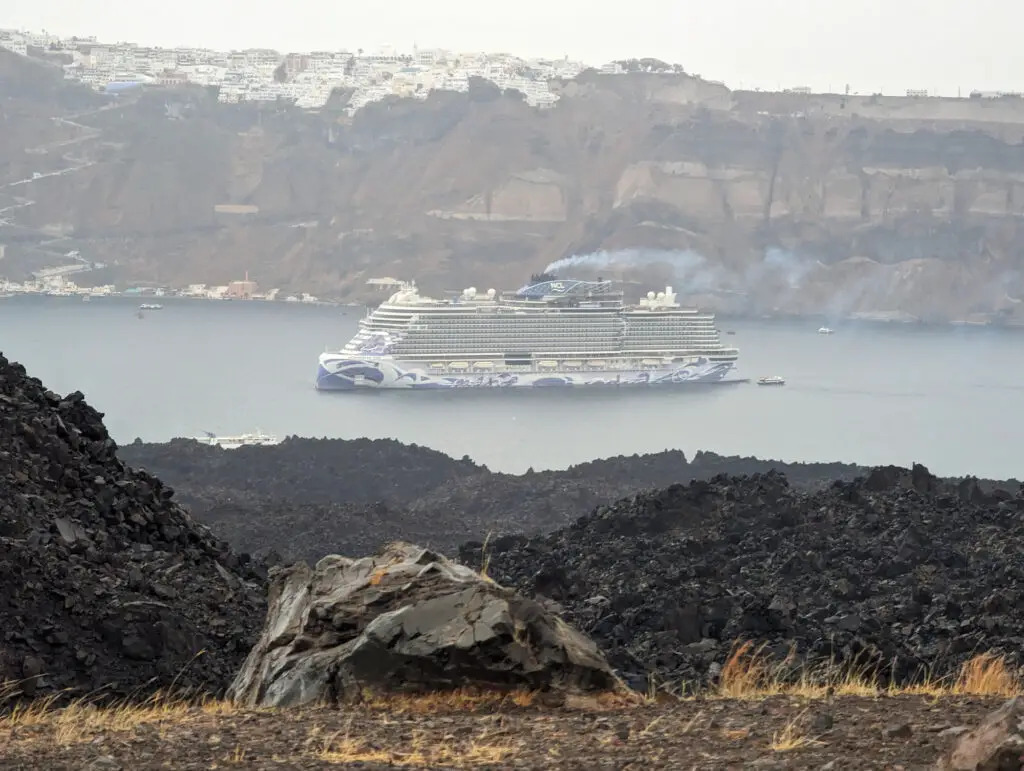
860,319
154,298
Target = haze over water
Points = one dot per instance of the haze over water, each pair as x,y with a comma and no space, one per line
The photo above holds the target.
950,398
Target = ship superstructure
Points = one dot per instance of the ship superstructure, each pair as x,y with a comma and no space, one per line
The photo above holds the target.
551,332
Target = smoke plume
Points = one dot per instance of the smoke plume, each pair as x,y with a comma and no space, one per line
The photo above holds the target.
629,258
695,273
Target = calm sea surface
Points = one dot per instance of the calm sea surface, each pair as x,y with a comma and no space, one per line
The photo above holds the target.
950,398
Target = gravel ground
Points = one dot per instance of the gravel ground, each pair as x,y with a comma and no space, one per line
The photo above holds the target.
781,732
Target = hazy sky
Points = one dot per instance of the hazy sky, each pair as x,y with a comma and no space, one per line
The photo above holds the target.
887,45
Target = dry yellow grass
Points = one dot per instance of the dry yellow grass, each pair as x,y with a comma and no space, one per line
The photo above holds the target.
751,674
793,736
485,561
82,721
748,674
419,752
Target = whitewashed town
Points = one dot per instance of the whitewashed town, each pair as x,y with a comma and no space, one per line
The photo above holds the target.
307,79
52,282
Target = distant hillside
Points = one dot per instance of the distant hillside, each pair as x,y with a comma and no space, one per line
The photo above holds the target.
795,204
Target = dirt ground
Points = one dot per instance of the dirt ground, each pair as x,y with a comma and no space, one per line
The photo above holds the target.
778,732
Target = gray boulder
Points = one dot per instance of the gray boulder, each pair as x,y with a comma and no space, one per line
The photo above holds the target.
996,744
407,620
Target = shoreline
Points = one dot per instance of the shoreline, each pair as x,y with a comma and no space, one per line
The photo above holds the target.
147,298
854,320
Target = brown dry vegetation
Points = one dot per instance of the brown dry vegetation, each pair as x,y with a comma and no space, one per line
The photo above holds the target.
748,674
753,716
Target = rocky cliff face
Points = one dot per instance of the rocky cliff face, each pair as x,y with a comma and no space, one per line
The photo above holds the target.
761,203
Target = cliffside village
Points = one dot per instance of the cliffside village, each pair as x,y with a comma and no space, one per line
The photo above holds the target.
308,79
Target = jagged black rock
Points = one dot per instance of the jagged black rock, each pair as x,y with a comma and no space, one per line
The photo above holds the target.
897,573
107,587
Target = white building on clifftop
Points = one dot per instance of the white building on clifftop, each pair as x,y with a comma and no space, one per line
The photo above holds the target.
306,79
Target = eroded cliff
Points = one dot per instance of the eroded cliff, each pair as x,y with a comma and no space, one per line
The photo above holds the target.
762,203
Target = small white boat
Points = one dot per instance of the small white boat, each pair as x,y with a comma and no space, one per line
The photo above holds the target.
825,331
256,439
773,380
150,307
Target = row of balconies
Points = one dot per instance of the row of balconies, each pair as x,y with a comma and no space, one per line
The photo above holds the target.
559,332
593,351
513,331
526,340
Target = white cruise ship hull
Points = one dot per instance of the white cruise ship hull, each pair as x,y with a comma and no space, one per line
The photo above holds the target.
338,372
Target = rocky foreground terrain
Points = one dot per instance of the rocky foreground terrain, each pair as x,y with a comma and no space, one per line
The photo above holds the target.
766,203
851,734
878,621
306,498
106,586
890,570
897,575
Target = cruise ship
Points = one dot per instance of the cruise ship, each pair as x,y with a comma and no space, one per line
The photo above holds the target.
551,332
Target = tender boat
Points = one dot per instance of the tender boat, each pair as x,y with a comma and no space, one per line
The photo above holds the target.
234,442
825,331
150,307
773,380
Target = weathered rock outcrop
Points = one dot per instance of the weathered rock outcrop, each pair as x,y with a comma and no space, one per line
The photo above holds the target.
407,620
897,572
997,744
106,585
797,203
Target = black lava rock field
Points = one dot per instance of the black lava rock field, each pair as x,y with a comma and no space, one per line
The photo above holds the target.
897,572
107,587
306,498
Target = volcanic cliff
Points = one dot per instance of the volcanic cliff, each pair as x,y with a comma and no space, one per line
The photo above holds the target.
765,203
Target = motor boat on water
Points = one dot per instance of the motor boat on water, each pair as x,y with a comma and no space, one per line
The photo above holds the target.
257,439
773,380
